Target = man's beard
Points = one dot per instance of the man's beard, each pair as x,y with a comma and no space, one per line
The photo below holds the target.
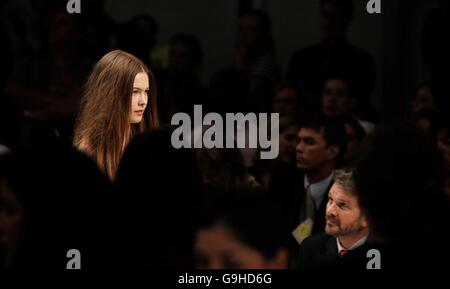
336,229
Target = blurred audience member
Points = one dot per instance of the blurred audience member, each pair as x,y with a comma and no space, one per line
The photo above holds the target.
304,192
160,193
287,100
435,50
263,170
183,88
47,86
338,99
67,204
399,189
242,231
255,51
347,229
228,89
423,99
355,136
223,168
426,119
334,54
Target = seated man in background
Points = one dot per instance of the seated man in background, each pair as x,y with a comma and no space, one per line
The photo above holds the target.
346,229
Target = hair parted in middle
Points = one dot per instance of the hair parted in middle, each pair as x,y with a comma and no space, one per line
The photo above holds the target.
103,127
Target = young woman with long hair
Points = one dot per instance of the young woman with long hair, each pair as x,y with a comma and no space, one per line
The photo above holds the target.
119,102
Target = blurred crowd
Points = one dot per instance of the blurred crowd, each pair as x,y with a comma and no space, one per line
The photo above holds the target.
218,208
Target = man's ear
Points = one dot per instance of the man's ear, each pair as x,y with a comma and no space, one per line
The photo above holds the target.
333,152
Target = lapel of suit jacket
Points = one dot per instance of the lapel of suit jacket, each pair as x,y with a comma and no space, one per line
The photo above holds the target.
330,250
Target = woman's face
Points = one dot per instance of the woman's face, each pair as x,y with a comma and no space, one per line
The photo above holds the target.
140,97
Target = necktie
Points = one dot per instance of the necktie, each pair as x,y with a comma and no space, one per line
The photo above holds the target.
310,206
343,253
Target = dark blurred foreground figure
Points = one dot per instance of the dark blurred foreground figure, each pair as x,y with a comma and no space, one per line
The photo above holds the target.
54,200
398,188
159,189
240,229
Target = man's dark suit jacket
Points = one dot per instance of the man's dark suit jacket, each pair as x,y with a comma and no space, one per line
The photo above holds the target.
288,189
321,252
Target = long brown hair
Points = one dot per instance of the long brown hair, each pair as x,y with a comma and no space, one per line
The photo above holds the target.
103,127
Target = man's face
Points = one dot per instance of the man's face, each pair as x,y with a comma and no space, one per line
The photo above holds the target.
343,214
336,99
312,150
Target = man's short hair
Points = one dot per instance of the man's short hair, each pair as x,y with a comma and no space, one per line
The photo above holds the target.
344,178
332,130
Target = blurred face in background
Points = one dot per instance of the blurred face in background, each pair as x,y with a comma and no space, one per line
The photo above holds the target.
181,60
217,247
285,102
249,31
336,99
352,140
423,99
64,31
333,21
